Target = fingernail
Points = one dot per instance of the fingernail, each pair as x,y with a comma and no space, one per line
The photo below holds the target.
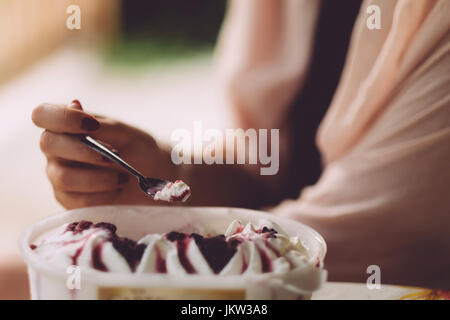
89,124
76,104
123,178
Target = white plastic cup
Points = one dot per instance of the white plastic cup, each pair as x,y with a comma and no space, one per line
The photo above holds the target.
48,281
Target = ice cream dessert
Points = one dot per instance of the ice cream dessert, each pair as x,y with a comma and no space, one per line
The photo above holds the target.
172,253
176,191
242,249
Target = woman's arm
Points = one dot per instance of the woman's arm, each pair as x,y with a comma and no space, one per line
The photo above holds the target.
81,177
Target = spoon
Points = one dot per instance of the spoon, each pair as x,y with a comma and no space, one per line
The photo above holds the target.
150,186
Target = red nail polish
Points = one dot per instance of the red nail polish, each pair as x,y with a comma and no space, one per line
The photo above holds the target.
123,178
76,104
89,124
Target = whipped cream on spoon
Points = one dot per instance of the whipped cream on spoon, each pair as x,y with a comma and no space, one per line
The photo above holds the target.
156,188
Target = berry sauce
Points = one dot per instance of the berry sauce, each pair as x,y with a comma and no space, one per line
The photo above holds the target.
216,250
182,241
129,249
160,262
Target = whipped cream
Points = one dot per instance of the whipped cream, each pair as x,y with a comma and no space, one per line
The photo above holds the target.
243,249
176,191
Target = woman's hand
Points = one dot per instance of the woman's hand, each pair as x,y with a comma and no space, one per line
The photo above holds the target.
82,177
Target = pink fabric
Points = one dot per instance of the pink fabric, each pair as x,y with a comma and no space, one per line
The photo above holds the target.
384,195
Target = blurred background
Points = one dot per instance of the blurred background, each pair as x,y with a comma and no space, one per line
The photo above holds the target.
140,61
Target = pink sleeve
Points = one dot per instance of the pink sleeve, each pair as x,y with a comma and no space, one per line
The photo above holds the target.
262,57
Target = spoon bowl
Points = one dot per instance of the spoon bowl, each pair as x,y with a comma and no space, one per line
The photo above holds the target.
150,186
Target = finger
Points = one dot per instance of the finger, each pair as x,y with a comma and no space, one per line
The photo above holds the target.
84,179
111,130
115,133
60,119
59,145
73,200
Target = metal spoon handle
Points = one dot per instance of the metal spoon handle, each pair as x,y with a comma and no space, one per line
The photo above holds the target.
97,146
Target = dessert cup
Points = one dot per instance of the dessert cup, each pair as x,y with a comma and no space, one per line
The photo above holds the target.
48,281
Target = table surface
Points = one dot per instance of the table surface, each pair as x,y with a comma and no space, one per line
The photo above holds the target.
360,291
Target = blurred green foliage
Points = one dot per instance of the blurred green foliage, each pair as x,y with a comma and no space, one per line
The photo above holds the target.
164,31
154,50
